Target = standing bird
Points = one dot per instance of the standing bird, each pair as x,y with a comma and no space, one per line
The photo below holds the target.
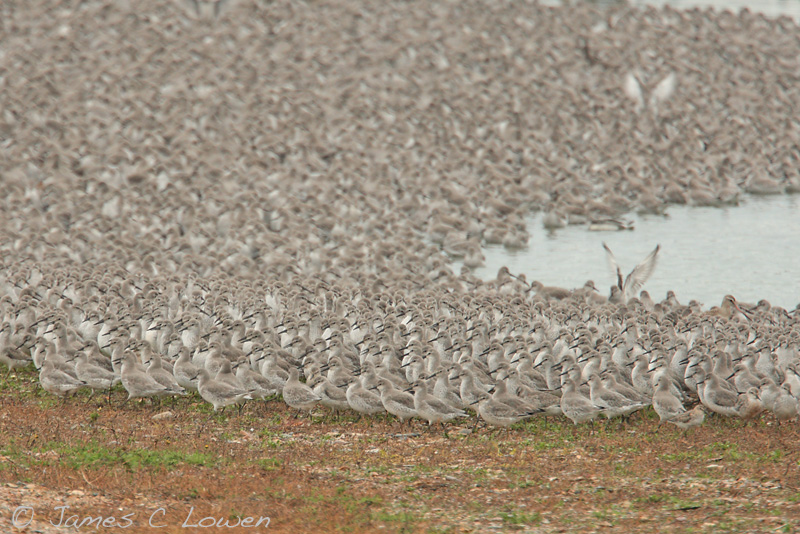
396,402
57,382
298,395
632,283
786,407
137,382
97,378
614,403
666,405
576,406
432,409
497,413
219,394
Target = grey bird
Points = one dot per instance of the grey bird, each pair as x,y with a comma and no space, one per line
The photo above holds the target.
575,406
225,374
162,376
786,407
666,405
138,383
716,398
497,413
689,419
56,381
298,395
396,402
361,400
430,408
636,278
184,371
219,394
330,395
259,386
97,378
614,403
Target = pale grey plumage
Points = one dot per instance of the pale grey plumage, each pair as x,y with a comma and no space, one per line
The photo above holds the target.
665,404
138,383
430,408
396,402
219,394
298,395
56,381
575,406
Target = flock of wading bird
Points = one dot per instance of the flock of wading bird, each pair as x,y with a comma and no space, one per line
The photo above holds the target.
431,355
224,199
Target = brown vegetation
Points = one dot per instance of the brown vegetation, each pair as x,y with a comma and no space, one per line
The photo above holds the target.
328,475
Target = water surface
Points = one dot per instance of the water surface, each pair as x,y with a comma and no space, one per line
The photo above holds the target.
772,8
751,251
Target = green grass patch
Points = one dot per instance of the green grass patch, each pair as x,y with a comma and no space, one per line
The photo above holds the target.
724,451
676,503
394,517
269,464
520,518
655,498
94,456
522,484
771,457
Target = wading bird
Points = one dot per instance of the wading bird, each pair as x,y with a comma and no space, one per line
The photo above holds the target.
635,280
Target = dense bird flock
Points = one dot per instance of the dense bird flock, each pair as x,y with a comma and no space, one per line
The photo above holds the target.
266,198
427,352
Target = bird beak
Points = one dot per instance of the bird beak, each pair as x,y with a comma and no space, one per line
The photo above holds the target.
746,314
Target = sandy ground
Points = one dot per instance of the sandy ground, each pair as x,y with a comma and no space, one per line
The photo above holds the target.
330,475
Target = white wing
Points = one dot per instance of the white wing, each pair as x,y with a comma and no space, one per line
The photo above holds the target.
663,91
641,273
612,264
633,90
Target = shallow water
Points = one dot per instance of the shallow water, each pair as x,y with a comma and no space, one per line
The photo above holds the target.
772,8
751,251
